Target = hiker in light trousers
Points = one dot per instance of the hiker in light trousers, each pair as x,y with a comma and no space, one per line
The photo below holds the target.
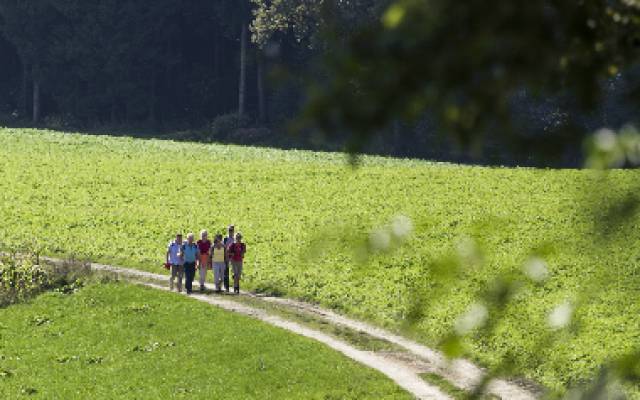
218,256
174,259
204,249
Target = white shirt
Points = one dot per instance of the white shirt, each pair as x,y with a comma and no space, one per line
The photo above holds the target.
174,248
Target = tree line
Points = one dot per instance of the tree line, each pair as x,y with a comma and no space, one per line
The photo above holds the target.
160,62
127,62
230,65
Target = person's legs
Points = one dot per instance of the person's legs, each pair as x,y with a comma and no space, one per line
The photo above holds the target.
174,272
190,273
221,276
218,272
226,276
180,269
215,276
237,275
203,276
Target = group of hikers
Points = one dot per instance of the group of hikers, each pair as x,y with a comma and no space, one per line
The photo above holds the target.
183,257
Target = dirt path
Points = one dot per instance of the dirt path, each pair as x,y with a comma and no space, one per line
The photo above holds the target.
460,373
403,367
404,377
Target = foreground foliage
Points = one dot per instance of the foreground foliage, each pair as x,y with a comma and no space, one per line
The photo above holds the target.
120,341
22,277
307,220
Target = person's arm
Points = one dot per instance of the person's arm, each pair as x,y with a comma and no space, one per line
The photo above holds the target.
168,250
244,249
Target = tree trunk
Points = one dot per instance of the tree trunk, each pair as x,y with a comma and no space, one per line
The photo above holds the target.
217,38
24,111
36,101
168,85
113,117
217,81
262,100
152,99
397,138
243,70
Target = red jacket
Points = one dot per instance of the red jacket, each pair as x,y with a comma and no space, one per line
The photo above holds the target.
236,251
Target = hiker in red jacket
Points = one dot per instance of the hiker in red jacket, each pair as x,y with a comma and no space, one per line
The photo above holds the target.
236,253
204,261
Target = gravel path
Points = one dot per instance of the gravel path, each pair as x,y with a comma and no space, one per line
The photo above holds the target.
403,369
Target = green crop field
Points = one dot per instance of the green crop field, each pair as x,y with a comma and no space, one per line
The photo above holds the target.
119,341
303,214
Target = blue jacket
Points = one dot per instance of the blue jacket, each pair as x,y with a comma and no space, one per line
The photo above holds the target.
189,252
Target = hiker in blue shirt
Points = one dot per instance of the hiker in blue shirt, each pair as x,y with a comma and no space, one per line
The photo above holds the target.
190,254
175,262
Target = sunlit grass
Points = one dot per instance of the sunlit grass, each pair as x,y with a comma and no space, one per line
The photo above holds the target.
120,341
304,216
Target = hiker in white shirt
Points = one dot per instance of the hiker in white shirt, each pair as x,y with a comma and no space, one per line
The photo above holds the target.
175,260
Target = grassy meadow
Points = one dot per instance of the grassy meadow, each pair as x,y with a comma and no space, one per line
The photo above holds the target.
304,215
120,341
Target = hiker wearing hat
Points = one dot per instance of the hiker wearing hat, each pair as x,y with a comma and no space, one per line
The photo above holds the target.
228,241
174,260
236,255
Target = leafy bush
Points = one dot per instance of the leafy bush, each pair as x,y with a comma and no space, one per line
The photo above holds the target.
22,277
59,121
250,135
225,126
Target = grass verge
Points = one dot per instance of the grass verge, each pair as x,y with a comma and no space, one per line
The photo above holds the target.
121,341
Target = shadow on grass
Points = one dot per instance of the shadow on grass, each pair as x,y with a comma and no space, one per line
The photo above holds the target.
284,137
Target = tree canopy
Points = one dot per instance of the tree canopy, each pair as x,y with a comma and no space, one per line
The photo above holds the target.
467,64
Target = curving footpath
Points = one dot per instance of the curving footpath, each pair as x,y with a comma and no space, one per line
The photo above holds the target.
404,369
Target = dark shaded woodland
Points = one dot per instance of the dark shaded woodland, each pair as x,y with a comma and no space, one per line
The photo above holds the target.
226,70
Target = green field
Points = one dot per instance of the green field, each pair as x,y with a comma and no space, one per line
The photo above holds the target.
119,200
119,341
